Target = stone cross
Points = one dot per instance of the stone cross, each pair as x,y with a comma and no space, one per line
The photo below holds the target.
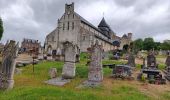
131,60
95,68
7,66
69,67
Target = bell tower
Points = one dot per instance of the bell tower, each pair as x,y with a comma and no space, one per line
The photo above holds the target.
69,8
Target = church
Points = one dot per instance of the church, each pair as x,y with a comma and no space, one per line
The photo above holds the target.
75,29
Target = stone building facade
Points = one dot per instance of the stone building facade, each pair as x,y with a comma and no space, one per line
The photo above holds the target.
77,30
30,44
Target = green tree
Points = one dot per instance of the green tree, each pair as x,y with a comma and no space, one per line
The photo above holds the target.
157,46
137,45
165,46
1,28
148,44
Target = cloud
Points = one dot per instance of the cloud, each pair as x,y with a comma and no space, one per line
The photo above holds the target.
36,18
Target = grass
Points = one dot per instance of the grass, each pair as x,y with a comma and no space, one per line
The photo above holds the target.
166,95
31,86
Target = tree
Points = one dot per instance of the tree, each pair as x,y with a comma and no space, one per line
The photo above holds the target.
137,45
157,46
148,44
165,46
1,28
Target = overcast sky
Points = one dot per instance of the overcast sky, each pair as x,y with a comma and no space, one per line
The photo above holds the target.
36,18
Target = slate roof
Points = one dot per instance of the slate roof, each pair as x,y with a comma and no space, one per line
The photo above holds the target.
116,43
91,25
124,36
104,25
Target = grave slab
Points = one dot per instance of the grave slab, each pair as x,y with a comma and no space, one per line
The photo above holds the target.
58,81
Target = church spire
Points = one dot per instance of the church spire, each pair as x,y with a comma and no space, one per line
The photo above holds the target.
103,23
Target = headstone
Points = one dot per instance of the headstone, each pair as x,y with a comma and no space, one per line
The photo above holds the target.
167,61
95,68
151,61
69,67
131,60
167,69
68,71
7,67
18,71
53,73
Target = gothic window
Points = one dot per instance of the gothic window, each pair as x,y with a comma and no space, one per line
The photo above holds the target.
68,26
72,25
63,26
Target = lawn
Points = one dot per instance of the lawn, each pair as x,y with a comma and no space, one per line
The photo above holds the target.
31,86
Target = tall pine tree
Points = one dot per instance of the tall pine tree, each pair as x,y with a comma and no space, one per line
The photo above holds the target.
1,28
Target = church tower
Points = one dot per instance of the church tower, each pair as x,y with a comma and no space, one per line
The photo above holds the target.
104,27
69,8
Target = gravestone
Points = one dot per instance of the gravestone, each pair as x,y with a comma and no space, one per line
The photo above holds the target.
167,69
151,61
53,73
7,67
69,67
131,60
168,61
95,74
68,71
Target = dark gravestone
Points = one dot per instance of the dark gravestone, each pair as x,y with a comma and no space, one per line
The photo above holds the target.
167,61
167,70
131,60
7,67
151,61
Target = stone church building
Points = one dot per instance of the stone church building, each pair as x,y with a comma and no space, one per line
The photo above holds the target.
75,29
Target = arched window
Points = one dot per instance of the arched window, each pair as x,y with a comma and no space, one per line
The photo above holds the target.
68,26
63,26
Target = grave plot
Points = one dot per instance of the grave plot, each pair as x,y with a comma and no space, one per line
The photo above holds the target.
123,71
68,71
150,72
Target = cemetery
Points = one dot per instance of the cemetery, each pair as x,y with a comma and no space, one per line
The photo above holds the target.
81,78
81,61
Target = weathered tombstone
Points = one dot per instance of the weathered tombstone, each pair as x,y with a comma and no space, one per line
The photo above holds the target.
18,71
168,61
68,71
53,73
95,74
131,60
167,69
7,67
151,61
69,67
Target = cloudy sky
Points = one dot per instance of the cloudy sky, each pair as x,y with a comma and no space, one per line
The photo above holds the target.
36,18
